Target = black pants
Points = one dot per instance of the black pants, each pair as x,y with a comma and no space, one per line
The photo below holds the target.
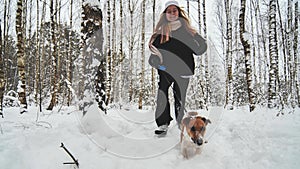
162,113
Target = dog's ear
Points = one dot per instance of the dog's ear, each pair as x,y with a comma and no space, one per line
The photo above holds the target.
186,121
206,121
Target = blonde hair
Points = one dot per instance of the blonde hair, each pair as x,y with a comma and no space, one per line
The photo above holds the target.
163,28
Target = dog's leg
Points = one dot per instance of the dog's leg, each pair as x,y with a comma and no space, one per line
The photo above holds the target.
198,150
181,134
185,153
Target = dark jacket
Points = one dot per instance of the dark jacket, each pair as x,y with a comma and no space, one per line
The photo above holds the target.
178,52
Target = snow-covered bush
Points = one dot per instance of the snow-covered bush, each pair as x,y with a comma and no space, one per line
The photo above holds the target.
11,99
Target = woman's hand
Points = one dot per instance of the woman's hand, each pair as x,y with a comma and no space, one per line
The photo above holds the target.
156,52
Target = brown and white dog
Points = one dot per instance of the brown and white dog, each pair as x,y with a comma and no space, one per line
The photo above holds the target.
192,138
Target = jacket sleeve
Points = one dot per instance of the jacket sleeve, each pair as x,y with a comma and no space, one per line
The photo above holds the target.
199,45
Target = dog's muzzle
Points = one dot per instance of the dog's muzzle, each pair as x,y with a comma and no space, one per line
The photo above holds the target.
199,141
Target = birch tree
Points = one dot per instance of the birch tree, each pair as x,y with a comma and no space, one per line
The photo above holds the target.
59,33
70,57
296,45
42,55
6,46
38,58
132,5
2,80
113,54
259,46
54,58
108,54
229,83
153,81
207,77
5,36
246,45
273,71
291,58
121,55
264,59
21,57
142,74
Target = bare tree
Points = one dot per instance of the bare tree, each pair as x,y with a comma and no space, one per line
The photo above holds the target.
273,71
229,85
142,74
296,44
70,57
37,84
207,78
259,48
54,59
114,53
21,57
247,54
5,35
2,80
132,6
153,69
291,58
109,54
59,33
42,55
264,59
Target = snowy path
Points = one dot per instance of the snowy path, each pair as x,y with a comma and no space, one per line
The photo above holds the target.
124,139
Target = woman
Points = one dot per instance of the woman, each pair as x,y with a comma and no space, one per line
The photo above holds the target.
173,44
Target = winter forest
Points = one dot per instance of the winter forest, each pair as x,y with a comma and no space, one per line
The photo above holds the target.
69,52
77,72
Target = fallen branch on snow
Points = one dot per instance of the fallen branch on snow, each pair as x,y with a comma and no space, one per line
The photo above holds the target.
73,158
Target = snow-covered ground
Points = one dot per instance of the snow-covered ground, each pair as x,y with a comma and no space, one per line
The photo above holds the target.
124,139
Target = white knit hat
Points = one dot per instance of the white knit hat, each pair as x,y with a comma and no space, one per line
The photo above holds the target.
171,2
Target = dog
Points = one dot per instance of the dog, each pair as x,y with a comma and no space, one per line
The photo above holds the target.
193,128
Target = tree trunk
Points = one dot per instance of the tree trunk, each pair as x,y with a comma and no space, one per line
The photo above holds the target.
199,94
54,59
2,80
21,57
70,58
5,36
153,70
142,74
296,44
247,54
109,57
229,79
291,64
38,58
42,55
114,54
59,33
273,71
260,57
121,55
131,7
254,47
199,15
207,78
